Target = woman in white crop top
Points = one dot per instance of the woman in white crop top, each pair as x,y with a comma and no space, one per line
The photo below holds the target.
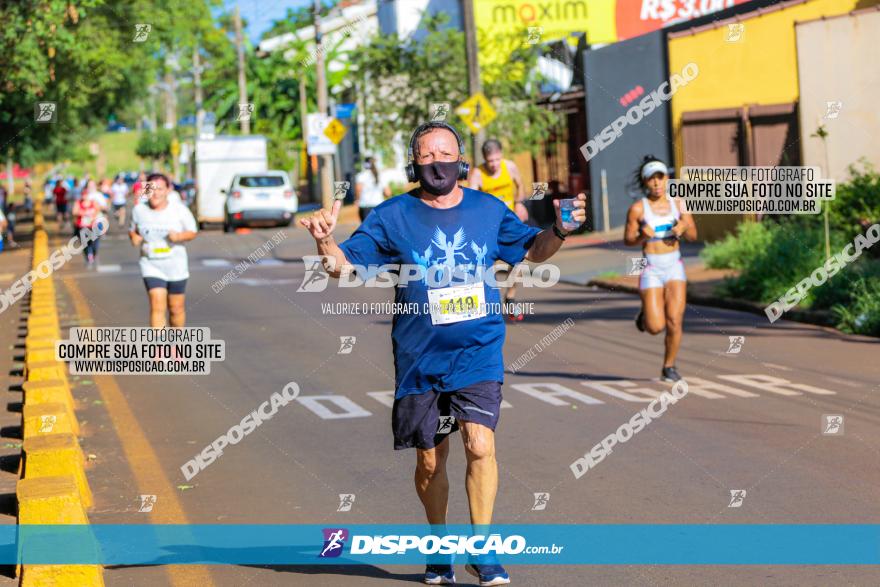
657,223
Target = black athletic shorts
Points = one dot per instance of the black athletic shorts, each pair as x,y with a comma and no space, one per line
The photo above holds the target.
424,420
173,287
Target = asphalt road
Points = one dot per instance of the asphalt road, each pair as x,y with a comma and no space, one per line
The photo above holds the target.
761,432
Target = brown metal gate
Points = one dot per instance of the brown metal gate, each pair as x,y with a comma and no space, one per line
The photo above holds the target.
751,135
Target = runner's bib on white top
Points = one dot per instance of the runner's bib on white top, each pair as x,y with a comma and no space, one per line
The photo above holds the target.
158,249
457,303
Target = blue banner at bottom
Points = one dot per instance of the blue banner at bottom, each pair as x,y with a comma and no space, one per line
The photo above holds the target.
390,544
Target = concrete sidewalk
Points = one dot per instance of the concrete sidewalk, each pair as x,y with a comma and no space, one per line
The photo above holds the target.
586,257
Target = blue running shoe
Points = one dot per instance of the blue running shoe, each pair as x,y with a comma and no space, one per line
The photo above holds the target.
489,574
439,575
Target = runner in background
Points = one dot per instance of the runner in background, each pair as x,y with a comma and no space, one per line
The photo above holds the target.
9,210
159,227
2,228
501,178
28,197
88,212
369,188
48,191
138,187
104,188
119,197
657,224
60,193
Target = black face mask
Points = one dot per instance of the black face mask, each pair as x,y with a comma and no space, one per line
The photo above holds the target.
438,178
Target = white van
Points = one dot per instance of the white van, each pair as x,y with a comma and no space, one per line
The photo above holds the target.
218,160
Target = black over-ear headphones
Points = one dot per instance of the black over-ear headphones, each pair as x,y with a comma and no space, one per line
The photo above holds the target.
463,166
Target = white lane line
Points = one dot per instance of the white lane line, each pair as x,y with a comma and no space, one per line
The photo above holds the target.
843,381
257,281
775,366
109,268
216,263
386,398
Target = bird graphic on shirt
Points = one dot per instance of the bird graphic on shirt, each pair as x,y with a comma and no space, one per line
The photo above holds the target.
424,261
449,248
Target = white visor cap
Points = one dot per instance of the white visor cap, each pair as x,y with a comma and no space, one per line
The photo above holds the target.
652,167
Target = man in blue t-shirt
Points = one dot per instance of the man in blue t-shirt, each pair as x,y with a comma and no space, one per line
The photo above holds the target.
448,361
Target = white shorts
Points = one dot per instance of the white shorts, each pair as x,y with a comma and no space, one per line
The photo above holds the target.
661,269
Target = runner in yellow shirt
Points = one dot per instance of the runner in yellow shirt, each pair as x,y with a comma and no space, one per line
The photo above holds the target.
501,178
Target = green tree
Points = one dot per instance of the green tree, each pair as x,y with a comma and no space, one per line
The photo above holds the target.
154,146
398,80
273,87
82,56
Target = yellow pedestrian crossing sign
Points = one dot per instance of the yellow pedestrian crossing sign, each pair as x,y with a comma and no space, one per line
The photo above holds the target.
335,130
476,112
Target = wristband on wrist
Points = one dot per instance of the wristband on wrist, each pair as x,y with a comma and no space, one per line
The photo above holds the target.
561,235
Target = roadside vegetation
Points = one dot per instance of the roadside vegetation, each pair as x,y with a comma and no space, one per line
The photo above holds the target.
773,255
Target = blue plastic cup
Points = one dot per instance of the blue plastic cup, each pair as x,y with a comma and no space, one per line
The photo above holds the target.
566,209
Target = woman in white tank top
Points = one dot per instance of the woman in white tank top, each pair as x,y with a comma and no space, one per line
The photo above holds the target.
657,223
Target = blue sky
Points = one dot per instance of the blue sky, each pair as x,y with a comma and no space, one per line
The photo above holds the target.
259,14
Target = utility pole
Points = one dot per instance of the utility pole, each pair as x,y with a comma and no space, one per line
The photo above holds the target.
326,160
303,158
170,97
473,66
197,86
10,180
242,82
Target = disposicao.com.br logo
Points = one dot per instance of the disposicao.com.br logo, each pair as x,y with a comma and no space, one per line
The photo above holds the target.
401,544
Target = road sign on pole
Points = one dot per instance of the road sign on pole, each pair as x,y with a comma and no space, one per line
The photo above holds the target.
317,141
335,130
476,112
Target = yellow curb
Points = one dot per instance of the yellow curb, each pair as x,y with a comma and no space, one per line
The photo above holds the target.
57,455
62,576
46,370
39,355
44,419
43,296
45,313
52,364
44,331
39,342
41,308
43,321
50,500
50,391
